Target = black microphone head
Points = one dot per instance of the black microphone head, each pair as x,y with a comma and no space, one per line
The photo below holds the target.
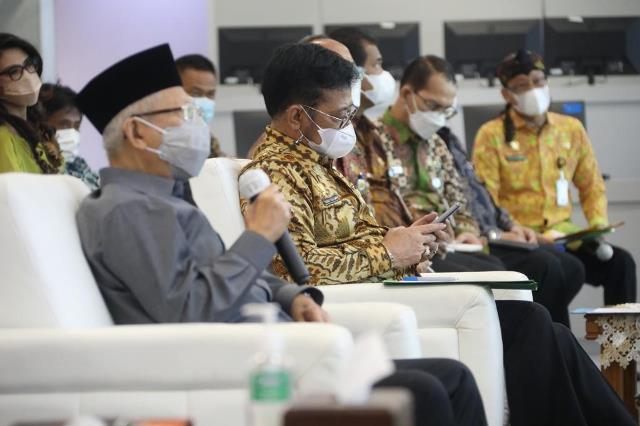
253,182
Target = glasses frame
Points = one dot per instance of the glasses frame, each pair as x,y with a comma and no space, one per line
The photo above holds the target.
342,122
189,112
15,72
433,106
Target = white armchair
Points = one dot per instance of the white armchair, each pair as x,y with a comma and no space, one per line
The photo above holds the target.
459,323
61,356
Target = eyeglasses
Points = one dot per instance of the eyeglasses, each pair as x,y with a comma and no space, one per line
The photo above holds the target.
342,122
189,112
15,71
533,83
448,111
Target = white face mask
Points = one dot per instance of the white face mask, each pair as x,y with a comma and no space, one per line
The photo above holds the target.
69,141
334,143
384,88
534,102
185,147
426,123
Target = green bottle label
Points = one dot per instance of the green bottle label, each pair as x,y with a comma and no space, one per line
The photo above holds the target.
273,385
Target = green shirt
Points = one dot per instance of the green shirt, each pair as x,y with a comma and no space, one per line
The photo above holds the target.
432,181
15,153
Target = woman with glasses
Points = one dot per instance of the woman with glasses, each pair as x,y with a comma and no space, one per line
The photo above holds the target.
26,145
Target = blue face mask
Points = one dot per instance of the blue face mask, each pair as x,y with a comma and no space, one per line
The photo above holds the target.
207,108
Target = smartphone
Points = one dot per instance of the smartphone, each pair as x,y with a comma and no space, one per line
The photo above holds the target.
444,216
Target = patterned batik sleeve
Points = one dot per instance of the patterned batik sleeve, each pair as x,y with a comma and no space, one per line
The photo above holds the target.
588,179
486,161
360,260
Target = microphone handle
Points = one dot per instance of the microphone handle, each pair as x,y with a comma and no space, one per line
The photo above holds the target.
292,260
290,256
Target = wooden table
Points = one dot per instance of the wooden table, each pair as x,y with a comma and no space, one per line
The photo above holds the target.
623,380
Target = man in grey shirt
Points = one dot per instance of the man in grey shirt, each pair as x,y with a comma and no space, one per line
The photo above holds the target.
154,255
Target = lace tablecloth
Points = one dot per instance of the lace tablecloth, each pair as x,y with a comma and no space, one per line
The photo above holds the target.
619,337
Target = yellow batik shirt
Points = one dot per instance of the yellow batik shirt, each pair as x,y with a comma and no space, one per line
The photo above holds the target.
521,175
336,235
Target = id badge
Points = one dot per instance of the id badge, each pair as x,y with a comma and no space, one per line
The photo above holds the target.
562,191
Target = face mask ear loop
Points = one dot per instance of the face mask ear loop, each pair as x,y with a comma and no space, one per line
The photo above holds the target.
302,136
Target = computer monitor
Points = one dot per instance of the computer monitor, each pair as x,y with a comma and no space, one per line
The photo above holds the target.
591,46
399,43
248,126
245,51
475,48
476,115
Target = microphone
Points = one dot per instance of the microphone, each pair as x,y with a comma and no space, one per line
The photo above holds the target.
598,247
251,184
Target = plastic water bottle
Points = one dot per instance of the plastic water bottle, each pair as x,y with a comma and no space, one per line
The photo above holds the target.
270,380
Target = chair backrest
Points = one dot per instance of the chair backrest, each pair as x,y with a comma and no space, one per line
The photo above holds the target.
45,279
215,190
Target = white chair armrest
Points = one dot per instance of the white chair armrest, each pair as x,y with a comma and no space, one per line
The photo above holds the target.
396,324
162,357
524,295
498,294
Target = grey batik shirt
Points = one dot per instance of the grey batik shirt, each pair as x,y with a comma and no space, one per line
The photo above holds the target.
157,259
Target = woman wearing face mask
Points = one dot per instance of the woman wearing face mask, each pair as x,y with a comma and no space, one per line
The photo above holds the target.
527,159
26,145
57,106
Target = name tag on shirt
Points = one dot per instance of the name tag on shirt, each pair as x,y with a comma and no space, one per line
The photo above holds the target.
562,191
330,200
517,157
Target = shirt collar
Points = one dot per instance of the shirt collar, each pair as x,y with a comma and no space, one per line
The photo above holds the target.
277,142
145,183
404,133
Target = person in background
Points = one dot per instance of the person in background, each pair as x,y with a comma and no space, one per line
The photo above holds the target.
372,167
157,259
528,156
366,167
26,144
199,80
308,93
57,106
435,179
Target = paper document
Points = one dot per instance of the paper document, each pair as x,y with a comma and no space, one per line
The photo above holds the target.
464,248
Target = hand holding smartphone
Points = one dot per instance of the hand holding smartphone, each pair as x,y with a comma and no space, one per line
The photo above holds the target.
451,210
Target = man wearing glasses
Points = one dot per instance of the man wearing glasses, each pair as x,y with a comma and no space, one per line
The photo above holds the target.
527,158
154,255
334,230
426,100
438,174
